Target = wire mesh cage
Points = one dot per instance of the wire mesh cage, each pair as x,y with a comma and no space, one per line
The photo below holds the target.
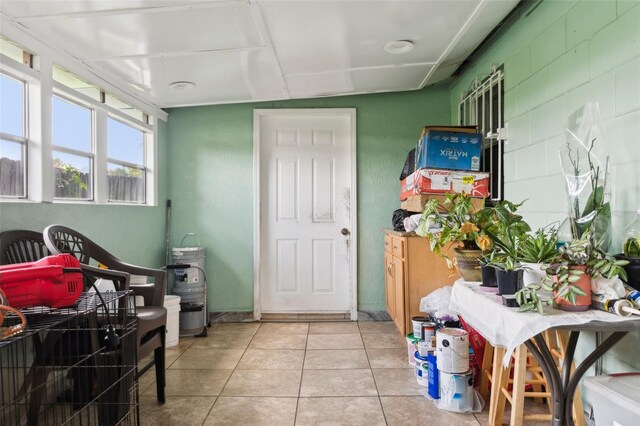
65,369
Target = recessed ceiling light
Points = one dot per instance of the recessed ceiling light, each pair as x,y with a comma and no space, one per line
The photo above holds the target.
182,86
398,47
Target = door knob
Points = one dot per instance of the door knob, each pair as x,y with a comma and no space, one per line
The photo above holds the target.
345,231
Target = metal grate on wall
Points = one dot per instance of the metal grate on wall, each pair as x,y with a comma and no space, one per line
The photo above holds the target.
483,105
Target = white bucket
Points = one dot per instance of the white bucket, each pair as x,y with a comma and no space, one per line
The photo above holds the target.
172,303
456,392
194,256
452,347
421,369
417,326
411,348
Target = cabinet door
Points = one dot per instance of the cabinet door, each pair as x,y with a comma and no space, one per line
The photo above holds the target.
389,284
398,279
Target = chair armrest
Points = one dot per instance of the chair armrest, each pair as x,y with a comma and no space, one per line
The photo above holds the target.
120,279
153,294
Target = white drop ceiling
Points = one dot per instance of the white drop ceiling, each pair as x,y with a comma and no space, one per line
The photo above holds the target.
255,50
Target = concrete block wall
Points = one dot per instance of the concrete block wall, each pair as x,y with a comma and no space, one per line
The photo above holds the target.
558,57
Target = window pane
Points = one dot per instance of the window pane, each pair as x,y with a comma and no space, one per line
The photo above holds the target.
71,125
9,49
125,143
126,183
72,174
11,106
11,169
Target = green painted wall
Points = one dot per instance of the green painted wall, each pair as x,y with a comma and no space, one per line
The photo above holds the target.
211,178
562,55
132,233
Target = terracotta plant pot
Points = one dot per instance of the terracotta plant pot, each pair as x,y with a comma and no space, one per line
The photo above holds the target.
632,270
582,302
509,281
469,264
489,276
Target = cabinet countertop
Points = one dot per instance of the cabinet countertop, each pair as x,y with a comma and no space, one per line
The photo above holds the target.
400,233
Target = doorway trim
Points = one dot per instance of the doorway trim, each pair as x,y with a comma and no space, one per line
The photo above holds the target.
353,217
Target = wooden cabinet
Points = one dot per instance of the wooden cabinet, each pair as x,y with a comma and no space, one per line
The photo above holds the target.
411,272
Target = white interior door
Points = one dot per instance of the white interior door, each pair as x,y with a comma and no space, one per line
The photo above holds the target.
306,214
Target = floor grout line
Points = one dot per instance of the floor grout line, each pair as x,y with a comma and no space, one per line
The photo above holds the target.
384,416
304,359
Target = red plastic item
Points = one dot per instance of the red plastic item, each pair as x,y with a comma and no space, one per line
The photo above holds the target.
42,283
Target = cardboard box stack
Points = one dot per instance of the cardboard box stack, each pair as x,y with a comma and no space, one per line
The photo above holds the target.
447,160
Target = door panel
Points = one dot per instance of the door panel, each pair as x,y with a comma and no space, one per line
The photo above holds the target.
398,276
305,192
389,284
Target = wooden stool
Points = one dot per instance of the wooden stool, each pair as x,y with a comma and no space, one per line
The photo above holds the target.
522,362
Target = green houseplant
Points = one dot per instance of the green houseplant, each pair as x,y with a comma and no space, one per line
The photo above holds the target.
460,224
569,276
631,252
536,250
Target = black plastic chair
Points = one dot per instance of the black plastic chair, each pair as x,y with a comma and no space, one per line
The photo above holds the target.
152,317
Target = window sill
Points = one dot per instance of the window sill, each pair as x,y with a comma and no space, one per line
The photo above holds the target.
71,202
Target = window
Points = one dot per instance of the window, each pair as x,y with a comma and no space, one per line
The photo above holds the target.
98,147
483,105
126,156
72,150
13,137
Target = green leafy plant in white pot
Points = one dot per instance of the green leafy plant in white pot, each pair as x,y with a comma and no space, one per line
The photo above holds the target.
535,251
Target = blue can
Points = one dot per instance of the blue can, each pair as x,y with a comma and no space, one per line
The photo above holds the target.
434,377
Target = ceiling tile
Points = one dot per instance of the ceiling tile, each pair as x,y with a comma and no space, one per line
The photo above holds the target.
221,77
356,81
194,29
31,8
333,35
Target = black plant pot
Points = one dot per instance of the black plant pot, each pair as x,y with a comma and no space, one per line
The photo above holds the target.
489,276
509,281
632,270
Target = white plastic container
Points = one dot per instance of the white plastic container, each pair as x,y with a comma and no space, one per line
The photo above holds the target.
172,303
616,399
421,370
456,392
411,348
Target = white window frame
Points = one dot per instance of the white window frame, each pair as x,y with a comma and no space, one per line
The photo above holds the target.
86,154
22,140
472,111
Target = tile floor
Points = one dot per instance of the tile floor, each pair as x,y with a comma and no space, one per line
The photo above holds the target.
339,373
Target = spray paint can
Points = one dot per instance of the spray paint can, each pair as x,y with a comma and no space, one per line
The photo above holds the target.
633,295
614,306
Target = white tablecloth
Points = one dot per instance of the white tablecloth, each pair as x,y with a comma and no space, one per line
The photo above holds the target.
507,327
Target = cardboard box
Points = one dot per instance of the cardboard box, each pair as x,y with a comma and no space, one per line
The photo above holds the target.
451,148
436,181
416,203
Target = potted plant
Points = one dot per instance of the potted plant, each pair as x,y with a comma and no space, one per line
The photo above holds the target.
569,276
631,252
536,250
509,274
489,278
459,223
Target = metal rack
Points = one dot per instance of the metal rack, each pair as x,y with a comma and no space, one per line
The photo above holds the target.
60,370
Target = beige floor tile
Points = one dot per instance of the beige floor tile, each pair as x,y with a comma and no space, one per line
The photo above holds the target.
194,358
334,341
253,411
263,383
357,382
279,341
420,411
335,359
271,359
183,344
235,327
334,328
530,407
397,382
340,411
223,341
378,327
193,383
184,411
146,380
388,358
383,341
284,328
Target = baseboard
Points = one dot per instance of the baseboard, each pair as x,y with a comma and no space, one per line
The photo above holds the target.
248,317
